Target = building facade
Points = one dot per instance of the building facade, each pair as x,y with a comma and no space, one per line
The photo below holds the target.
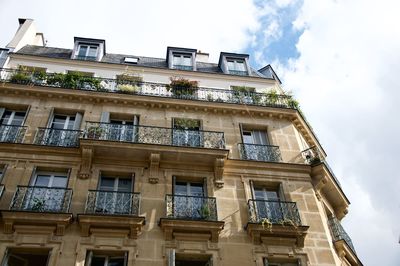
111,159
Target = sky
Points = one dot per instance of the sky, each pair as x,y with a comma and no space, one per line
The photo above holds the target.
340,58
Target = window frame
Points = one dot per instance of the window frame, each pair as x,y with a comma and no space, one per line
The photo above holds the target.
105,254
181,57
236,62
87,56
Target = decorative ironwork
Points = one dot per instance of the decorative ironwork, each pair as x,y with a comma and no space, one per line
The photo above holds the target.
41,199
111,202
338,232
257,152
57,137
274,212
154,135
148,89
191,207
12,134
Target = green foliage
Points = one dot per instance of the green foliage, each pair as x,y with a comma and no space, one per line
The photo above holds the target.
127,78
271,97
183,123
243,94
204,212
182,87
238,89
128,88
20,78
73,80
94,131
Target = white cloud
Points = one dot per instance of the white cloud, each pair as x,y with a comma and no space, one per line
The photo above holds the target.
346,81
139,27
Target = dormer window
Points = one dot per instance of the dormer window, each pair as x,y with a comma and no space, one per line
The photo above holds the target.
87,52
237,67
89,49
182,61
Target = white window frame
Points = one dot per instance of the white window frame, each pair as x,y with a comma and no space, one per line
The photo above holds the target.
236,62
116,182
66,122
107,257
181,57
89,46
12,117
52,176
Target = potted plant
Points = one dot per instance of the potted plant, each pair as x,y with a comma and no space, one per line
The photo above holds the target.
129,83
20,77
204,212
183,88
271,97
243,94
128,88
94,132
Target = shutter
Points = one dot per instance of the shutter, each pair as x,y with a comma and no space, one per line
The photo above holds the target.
173,184
51,117
88,260
135,130
26,115
68,176
171,258
78,121
281,192
105,117
241,132
266,262
205,192
126,258
32,180
253,195
2,110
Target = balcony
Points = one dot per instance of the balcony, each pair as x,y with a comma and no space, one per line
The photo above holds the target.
33,205
216,95
57,137
257,152
111,210
342,241
189,217
271,221
12,134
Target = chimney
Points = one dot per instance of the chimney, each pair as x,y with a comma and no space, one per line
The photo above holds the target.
26,34
202,57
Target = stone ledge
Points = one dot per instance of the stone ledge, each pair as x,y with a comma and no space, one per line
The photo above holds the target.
283,234
344,251
90,223
59,221
199,230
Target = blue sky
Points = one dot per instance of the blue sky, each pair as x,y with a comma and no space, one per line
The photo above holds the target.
340,58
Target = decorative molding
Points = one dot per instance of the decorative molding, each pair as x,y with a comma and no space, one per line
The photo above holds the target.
219,172
154,168
86,163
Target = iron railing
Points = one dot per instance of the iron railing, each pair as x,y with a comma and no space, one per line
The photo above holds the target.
111,202
1,190
12,134
57,137
146,88
273,212
338,232
154,135
41,199
258,152
191,207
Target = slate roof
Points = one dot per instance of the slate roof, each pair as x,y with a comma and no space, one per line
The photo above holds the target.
53,52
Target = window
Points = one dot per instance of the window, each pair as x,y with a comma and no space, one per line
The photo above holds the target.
258,137
189,259
114,195
119,127
87,51
26,257
2,170
10,125
237,67
131,60
102,258
182,61
186,132
190,198
63,130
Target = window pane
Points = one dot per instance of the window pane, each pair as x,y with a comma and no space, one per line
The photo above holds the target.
58,122
107,183
116,262
92,51
196,189
60,181
18,119
180,188
231,65
240,66
71,122
124,185
42,180
6,117
177,60
82,50
187,61
98,261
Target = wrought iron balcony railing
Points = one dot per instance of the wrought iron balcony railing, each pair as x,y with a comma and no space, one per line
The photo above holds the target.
41,199
191,207
145,88
338,232
12,134
57,137
257,152
112,203
154,135
273,212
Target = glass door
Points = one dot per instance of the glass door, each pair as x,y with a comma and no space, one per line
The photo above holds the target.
10,125
61,133
268,204
186,132
189,199
114,195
